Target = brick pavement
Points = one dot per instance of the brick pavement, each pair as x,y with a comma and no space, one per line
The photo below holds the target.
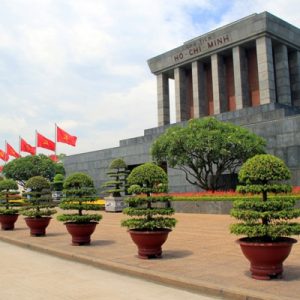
200,255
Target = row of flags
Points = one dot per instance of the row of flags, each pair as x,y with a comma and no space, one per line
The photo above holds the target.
42,142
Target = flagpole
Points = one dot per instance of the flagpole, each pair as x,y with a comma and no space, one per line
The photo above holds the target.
35,142
19,145
5,152
55,138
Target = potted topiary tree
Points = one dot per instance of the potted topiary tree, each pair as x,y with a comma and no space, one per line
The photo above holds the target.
57,186
8,212
265,221
151,224
115,187
79,194
40,206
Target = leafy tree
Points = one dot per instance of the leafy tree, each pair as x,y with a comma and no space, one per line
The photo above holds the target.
23,168
205,149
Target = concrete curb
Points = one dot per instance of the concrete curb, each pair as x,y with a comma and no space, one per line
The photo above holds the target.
204,288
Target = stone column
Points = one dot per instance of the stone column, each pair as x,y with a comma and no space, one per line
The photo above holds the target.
240,70
163,99
265,66
199,90
180,95
283,86
219,84
294,62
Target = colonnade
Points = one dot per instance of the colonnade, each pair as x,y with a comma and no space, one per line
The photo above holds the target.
245,76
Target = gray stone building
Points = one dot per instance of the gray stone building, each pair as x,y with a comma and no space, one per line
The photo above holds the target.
247,72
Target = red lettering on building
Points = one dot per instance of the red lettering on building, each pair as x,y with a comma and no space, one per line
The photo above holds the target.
195,50
178,56
210,44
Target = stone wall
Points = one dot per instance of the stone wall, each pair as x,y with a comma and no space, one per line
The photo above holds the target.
278,124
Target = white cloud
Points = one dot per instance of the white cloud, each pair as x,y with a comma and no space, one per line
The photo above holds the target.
83,64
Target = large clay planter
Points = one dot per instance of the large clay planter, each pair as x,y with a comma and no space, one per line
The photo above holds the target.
8,221
37,226
149,242
266,258
81,233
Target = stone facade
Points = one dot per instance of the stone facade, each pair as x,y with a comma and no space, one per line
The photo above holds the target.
250,62
277,123
247,73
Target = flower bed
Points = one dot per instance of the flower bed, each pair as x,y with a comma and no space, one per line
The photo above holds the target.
224,195
219,202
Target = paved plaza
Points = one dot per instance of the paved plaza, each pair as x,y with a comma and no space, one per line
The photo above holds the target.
199,256
30,275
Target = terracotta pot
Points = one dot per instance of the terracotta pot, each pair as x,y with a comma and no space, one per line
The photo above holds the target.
81,233
149,242
8,221
37,226
266,258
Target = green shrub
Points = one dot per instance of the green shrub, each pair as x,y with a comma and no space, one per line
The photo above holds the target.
265,218
8,190
38,198
79,194
118,172
151,212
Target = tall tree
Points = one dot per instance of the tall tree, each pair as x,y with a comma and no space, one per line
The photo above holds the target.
23,168
205,149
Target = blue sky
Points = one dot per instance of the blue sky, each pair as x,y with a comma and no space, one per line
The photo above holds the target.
83,63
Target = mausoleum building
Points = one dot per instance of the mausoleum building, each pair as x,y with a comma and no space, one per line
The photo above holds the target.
247,73
247,63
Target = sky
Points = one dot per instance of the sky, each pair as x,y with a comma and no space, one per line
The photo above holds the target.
82,64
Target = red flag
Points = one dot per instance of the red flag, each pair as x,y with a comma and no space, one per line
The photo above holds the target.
11,151
3,155
25,147
43,142
53,157
65,137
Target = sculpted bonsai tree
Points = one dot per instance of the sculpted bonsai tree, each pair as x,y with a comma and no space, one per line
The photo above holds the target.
8,211
265,219
148,179
205,149
40,206
57,186
116,186
8,191
58,182
38,198
79,195
151,223
118,172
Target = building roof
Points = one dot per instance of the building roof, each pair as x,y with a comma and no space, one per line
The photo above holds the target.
225,37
